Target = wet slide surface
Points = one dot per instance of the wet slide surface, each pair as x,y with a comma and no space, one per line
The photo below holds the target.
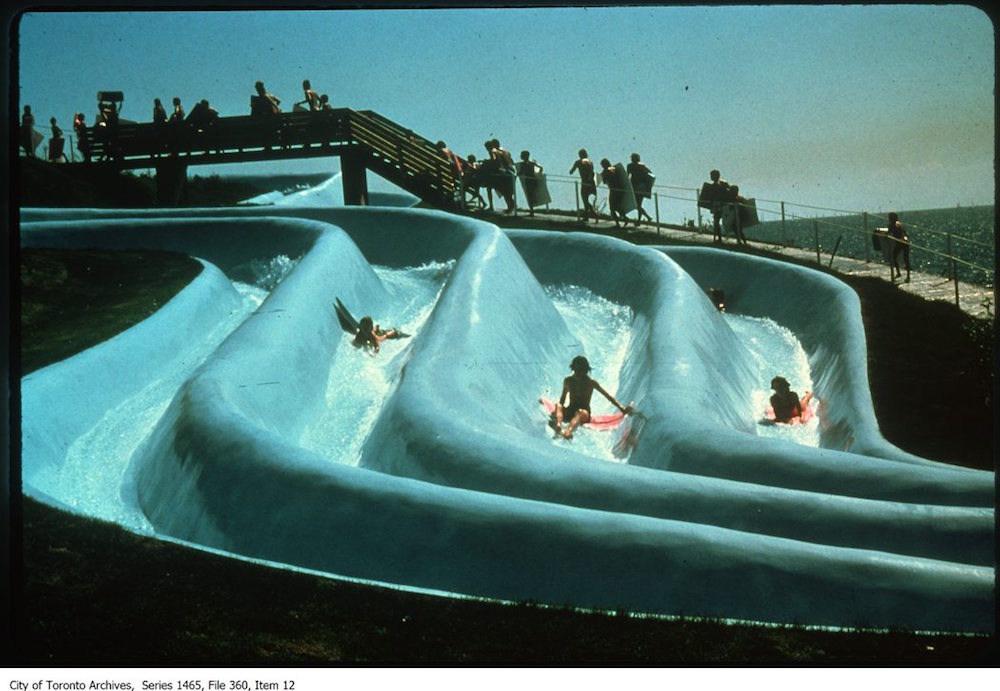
266,435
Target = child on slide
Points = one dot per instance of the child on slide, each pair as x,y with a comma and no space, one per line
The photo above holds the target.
574,402
786,404
369,334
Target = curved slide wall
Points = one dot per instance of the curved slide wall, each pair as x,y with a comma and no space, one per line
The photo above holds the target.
456,496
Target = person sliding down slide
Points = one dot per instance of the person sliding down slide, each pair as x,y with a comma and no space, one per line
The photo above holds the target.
785,404
574,402
366,333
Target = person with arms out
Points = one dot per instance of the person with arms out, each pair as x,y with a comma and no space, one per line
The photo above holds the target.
588,184
900,246
369,335
574,402
786,404
642,186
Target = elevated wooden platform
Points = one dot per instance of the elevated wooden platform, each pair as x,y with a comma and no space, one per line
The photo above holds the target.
364,140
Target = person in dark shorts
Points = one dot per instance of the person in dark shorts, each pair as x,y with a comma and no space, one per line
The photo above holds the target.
574,402
588,184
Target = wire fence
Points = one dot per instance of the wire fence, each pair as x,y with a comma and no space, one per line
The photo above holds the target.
828,232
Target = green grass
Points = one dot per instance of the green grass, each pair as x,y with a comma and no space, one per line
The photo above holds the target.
74,299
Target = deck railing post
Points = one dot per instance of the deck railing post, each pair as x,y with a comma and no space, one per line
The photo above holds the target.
784,238
867,244
954,270
656,208
576,197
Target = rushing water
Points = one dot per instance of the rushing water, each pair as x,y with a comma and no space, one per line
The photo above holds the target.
360,382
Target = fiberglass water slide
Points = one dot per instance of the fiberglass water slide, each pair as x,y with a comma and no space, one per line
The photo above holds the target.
459,488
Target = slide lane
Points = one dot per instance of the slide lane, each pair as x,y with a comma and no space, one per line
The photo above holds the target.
220,430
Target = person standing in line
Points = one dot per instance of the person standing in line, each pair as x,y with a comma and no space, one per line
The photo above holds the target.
731,216
901,246
311,97
616,195
588,184
471,181
82,142
177,116
529,171
718,199
159,113
28,132
504,173
56,143
264,103
642,186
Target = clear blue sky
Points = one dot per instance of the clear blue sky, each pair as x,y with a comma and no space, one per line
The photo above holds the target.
845,107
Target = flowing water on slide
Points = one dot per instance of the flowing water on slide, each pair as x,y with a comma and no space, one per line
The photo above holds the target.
91,479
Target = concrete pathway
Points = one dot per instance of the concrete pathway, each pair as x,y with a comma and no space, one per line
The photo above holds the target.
976,300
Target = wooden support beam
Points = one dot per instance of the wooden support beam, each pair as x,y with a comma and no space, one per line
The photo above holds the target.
354,175
171,177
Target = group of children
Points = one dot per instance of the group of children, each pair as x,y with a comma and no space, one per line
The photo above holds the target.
574,406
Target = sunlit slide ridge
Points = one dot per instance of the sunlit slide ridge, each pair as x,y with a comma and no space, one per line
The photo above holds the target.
456,484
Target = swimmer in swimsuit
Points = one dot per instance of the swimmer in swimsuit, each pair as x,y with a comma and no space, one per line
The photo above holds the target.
786,403
369,335
574,403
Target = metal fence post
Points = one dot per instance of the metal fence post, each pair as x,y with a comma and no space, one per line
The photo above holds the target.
784,238
816,233
576,198
864,215
954,270
656,208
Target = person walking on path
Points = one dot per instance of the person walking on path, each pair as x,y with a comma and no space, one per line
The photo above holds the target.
588,184
718,194
616,195
901,246
529,171
641,178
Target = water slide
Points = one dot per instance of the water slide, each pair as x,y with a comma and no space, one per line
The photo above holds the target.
457,487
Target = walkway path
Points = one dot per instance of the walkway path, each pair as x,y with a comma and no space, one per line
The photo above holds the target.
978,301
